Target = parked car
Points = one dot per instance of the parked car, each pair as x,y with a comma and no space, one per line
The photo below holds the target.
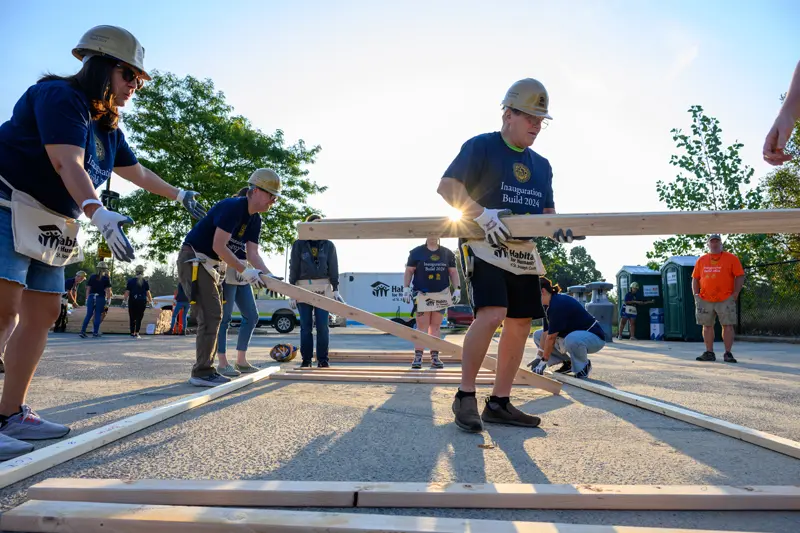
459,316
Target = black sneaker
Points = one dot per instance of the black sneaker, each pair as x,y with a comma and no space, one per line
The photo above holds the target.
728,358
83,335
583,374
466,411
322,364
565,367
494,413
707,356
305,364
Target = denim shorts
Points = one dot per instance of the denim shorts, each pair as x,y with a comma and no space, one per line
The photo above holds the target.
30,273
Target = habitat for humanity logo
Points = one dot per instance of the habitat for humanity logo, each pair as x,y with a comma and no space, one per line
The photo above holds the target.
52,236
379,288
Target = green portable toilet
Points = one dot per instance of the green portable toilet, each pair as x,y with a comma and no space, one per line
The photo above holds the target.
679,319
649,289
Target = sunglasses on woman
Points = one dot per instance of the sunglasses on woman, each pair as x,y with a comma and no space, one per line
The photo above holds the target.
129,75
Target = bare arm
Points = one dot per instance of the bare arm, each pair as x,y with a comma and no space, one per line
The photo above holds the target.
220,247
454,279
109,294
549,211
67,160
791,104
455,194
695,286
148,180
549,343
73,295
254,256
407,275
149,297
126,295
738,282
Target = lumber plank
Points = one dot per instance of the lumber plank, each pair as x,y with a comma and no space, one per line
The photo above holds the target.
42,459
374,378
393,328
37,516
591,224
420,495
753,436
377,369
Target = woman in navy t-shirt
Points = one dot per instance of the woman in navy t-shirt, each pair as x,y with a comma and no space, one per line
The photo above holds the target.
137,296
60,144
98,294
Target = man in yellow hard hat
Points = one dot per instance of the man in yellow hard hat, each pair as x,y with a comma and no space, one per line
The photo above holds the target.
232,225
495,174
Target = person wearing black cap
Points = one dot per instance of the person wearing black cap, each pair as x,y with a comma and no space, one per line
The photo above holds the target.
716,283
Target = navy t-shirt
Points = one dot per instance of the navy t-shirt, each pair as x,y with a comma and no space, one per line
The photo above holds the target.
97,284
69,284
232,216
498,177
181,295
54,112
137,292
565,314
431,274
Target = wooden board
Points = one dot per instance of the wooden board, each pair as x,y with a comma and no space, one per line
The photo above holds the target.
393,328
40,460
378,369
420,495
753,436
375,378
117,321
389,360
38,516
593,224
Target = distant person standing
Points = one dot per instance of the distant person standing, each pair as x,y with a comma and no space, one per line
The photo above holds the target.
313,265
629,311
70,296
433,269
784,124
180,306
137,296
98,292
716,283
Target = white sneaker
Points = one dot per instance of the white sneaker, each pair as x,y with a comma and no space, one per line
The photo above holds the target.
11,448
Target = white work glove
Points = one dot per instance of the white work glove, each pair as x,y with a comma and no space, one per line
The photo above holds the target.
338,297
496,232
539,369
565,237
253,277
110,225
456,295
407,295
293,304
188,199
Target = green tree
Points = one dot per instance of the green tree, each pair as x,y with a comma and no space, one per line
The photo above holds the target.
183,130
162,281
712,177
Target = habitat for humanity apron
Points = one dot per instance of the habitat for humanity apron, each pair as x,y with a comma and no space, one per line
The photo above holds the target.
40,233
215,268
630,310
321,286
517,257
434,301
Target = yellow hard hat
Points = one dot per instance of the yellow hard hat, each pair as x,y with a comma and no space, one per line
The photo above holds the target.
634,285
112,41
283,352
267,179
528,96
80,273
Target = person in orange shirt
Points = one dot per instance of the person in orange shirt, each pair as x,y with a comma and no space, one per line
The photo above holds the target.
716,283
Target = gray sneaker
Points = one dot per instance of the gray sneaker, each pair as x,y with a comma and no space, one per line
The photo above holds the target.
228,371
11,448
209,381
27,425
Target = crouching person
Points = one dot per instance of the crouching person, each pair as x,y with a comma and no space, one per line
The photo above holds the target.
232,224
569,335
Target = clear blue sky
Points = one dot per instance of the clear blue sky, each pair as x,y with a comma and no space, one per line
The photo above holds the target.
391,91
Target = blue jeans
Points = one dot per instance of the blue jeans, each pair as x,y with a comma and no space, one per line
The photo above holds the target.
242,295
94,306
175,310
307,336
578,345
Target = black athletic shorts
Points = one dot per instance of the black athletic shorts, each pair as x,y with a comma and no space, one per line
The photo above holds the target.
491,286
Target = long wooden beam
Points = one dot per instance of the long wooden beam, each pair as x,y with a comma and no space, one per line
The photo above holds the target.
398,330
753,436
387,369
595,224
376,378
37,516
40,460
420,495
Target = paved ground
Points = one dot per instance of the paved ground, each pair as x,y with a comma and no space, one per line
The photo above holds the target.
346,432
